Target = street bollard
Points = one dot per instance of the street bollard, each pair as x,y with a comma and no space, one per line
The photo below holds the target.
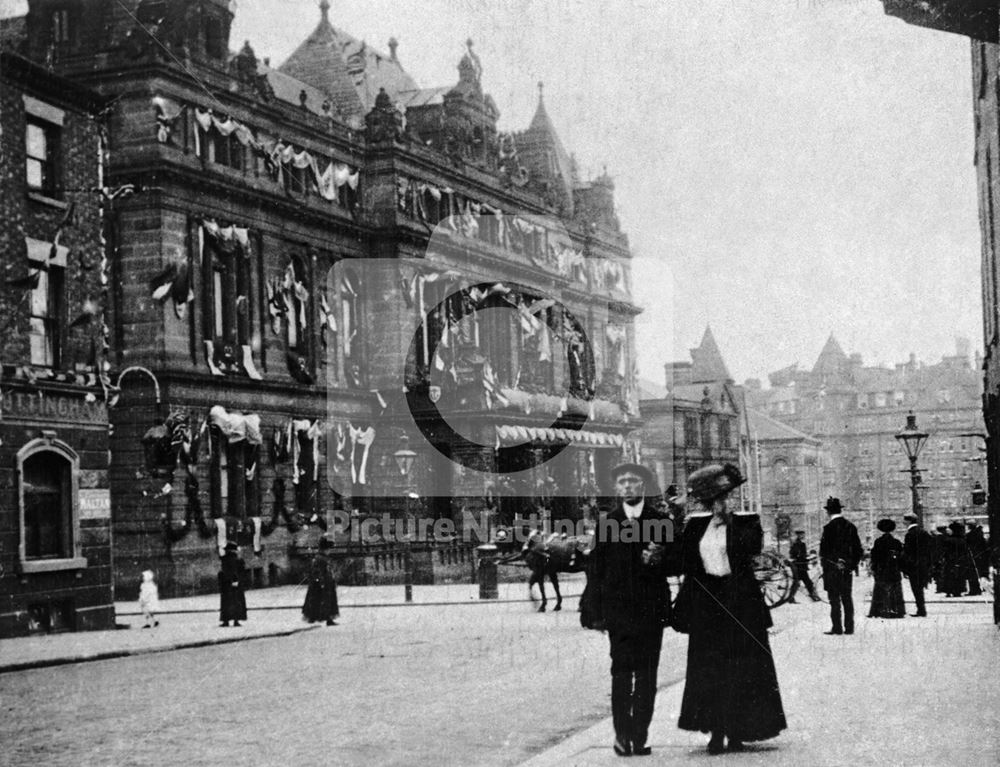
408,570
487,554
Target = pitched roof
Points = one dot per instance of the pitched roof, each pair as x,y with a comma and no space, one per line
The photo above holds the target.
764,428
707,362
538,140
346,69
832,359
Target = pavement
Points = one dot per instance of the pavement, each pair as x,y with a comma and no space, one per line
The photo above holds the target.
914,691
193,621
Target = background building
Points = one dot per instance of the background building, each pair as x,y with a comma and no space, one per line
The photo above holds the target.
265,371
55,536
856,411
695,420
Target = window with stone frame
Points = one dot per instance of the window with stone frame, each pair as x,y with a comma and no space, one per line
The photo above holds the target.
692,436
725,434
48,515
350,319
227,314
580,367
41,148
222,150
45,321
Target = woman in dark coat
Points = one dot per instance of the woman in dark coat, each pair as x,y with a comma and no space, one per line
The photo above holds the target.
887,597
233,603
321,596
731,689
955,561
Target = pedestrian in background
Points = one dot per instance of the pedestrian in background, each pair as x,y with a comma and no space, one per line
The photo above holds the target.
798,558
887,596
731,687
956,561
628,595
840,553
917,561
979,552
321,596
149,599
232,599
940,553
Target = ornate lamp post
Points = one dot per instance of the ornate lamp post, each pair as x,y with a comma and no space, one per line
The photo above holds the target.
913,440
404,458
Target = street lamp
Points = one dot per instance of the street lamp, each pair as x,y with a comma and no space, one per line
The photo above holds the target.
404,460
912,440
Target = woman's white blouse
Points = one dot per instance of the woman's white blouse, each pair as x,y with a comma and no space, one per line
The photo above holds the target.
713,550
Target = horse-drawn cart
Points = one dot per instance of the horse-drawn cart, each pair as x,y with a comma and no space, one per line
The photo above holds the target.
546,556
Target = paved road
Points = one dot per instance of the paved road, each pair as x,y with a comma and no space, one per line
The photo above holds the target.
394,686
473,684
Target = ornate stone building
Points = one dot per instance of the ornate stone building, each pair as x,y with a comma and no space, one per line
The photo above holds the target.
55,531
336,290
857,410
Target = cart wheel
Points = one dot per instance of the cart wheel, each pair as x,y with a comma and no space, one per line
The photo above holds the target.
775,579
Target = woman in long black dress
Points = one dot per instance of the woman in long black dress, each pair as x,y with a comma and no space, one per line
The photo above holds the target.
233,602
731,689
321,596
887,596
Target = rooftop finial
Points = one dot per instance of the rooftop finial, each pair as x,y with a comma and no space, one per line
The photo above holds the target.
468,44
541,87
393,44
324,9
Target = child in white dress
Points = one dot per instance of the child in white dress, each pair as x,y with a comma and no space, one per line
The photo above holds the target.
149,599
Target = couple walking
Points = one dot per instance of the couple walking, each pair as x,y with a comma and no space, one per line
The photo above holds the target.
731,688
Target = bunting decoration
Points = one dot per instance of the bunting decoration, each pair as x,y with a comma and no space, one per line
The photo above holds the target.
173,282
327,181
359,457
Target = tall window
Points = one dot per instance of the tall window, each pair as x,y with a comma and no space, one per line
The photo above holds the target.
61,26
47,506
350,314
226,264
41,145
43,329
215,45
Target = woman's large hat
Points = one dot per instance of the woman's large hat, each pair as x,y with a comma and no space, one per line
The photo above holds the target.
885,525
713,481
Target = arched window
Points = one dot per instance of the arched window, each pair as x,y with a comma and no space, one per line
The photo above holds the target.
49,538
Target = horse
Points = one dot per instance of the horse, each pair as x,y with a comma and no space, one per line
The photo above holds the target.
548,556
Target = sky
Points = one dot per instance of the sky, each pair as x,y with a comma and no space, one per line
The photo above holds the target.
784,169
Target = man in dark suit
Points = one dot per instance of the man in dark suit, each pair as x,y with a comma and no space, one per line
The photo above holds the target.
628,594
798,558
918,557
840,552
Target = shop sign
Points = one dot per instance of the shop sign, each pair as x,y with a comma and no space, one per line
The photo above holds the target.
57,407
95,504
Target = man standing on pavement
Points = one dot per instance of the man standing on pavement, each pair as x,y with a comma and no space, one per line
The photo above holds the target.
840,552
628,594
918,553
798,557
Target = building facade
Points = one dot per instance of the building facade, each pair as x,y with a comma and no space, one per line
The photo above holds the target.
856,411
336,291
55,526
695,420
795,478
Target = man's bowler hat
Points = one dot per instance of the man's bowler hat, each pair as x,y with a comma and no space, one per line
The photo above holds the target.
910,517
714,481
833,505
635,468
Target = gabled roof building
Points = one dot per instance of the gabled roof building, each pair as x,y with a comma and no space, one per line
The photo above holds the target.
337,295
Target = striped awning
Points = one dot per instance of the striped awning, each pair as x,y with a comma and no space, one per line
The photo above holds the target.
517,435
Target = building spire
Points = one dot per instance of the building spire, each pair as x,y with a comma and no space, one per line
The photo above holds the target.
324,10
